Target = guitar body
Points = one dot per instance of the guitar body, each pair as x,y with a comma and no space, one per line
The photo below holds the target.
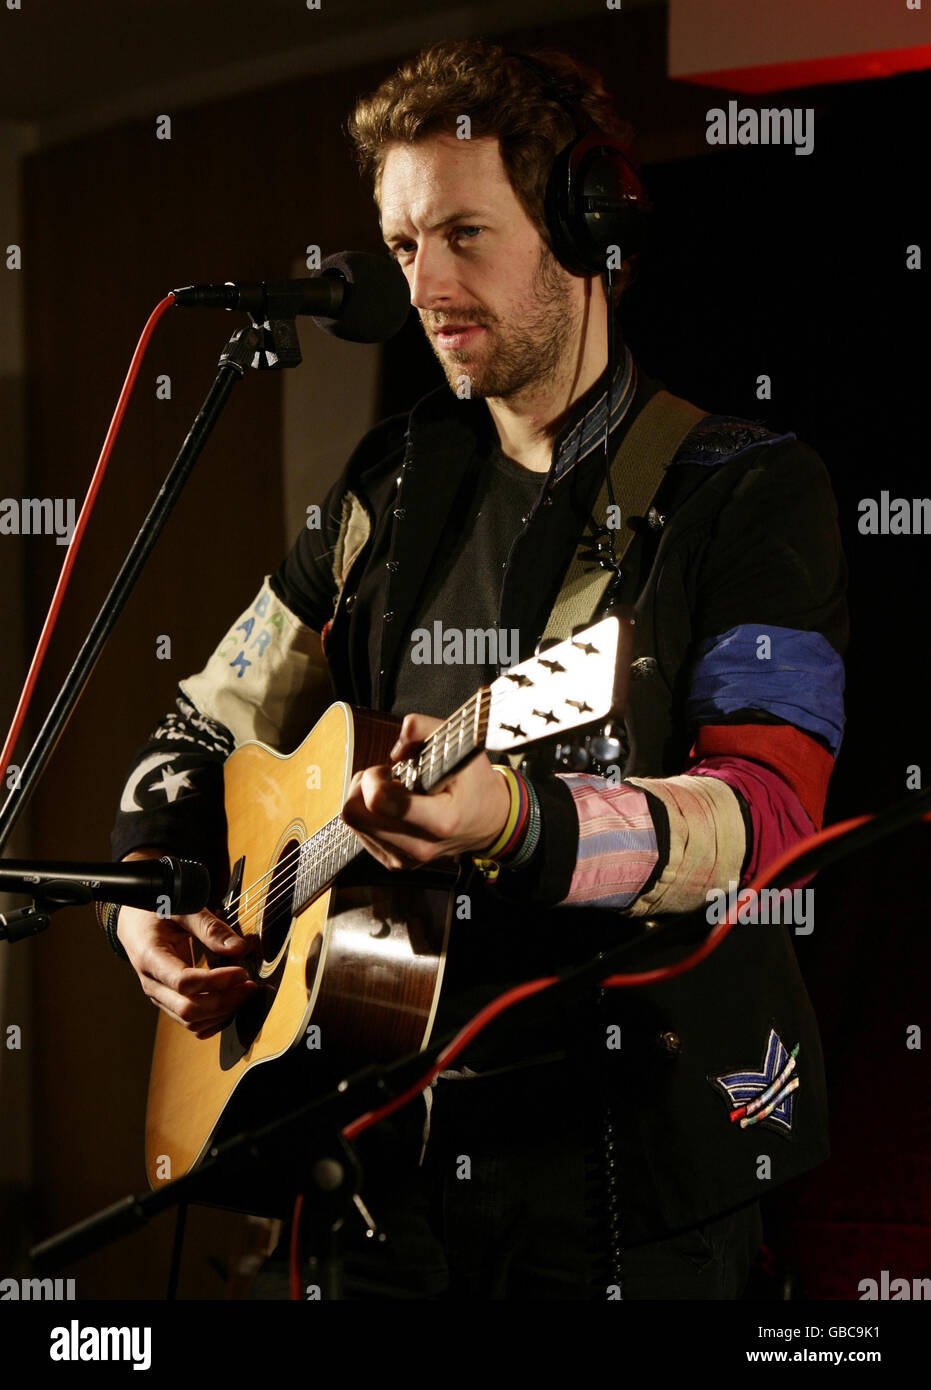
355,976
350,963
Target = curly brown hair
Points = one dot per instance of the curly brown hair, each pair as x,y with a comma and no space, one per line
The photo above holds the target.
502,97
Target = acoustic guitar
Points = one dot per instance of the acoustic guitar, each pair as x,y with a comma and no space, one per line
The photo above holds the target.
350,957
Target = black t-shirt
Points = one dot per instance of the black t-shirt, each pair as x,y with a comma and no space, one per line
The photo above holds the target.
439,670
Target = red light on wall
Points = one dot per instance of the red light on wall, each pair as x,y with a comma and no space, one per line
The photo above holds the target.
813,72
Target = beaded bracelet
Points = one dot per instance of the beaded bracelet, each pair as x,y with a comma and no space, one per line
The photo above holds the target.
107,914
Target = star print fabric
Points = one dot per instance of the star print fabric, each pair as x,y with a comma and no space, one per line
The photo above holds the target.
173,796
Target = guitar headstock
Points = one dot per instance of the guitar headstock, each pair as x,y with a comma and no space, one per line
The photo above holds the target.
569,684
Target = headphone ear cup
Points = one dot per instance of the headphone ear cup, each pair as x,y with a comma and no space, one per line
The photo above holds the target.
556,211
593,200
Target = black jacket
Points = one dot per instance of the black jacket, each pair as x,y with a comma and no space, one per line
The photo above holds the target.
749,534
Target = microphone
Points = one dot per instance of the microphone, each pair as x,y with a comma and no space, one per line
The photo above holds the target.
185,883
355,296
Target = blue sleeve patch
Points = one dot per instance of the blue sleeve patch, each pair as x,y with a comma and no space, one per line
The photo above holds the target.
720,437
793,675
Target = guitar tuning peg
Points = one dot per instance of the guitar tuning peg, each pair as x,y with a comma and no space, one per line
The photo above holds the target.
579,628
544,645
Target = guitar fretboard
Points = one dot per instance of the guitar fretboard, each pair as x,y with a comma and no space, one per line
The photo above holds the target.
330,849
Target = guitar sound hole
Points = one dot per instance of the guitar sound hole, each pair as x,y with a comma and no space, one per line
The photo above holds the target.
276,919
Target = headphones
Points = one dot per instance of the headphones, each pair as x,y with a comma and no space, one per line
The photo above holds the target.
594,198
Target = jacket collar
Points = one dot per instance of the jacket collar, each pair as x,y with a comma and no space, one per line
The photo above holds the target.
445,439
581,431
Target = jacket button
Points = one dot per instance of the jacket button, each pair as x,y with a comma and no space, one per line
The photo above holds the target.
645,666
655,520
392,566
350,603
388,617
670,1043
400,513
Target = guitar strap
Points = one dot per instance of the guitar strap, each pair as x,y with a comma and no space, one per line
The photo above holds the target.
637,469
646,451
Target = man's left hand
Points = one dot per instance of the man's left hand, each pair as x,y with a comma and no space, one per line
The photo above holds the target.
403,829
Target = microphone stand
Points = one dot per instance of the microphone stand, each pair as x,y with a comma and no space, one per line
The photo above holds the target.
310,1133
308,1140
270,346
309,1137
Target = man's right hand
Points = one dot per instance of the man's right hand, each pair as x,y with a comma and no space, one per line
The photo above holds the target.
159,949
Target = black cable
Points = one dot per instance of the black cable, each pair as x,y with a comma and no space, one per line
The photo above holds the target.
175,1267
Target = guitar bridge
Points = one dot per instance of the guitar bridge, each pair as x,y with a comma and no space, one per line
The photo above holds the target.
230,902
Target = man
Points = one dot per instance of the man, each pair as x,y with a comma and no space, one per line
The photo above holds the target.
598,1152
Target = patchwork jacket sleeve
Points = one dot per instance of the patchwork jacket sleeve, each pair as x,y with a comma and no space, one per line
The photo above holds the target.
765,704
267,680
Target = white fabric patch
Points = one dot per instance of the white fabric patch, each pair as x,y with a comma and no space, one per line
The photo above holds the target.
707,843
268,679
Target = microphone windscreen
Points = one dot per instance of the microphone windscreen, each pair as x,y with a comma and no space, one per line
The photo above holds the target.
190,887
377,300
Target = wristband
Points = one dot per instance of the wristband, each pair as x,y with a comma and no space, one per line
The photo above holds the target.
525,850
107,915
521,833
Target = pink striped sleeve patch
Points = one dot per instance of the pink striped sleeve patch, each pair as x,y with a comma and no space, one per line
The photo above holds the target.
617,843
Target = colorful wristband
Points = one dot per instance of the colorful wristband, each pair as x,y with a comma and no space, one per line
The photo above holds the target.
521,833
524,852
107,915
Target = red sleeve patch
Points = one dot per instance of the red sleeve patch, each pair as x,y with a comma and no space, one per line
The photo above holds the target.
804,764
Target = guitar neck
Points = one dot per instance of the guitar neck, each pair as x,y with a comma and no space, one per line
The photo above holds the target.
334,846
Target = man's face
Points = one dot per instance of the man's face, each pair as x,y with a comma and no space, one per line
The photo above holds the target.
474,260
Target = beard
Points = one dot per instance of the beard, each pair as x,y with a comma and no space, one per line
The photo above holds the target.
523,355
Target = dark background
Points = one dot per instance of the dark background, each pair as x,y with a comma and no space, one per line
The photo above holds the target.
761,262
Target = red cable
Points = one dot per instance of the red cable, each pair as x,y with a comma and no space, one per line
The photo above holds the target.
55,607
72,551
513,996
295,1259
497,1006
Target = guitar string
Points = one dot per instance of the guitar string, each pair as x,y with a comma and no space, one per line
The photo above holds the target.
332,840
339,840
336,842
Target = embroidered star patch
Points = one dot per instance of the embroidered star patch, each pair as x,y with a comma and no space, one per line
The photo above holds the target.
765,1096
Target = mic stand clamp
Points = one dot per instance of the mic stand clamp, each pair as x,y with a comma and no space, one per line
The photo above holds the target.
29,921
26,921
279,346
336,1175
